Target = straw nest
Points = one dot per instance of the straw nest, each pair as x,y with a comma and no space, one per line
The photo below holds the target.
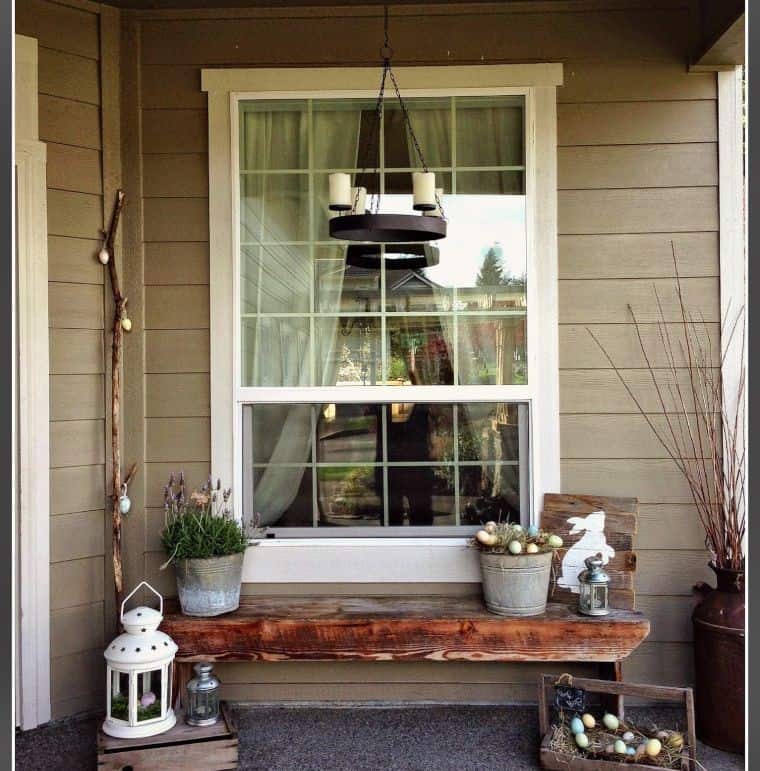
601,738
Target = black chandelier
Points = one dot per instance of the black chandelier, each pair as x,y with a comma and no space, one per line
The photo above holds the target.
354,221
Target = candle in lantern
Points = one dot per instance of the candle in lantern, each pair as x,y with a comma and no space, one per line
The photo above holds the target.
423,186
436,212
358,199
340,192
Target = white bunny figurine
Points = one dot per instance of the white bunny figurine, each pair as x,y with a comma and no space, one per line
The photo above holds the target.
592,542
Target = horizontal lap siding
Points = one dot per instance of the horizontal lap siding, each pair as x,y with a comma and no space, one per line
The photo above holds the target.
637,169
69,122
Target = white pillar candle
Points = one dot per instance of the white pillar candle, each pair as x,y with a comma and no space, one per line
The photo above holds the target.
340,191
423,186
359,197
438,201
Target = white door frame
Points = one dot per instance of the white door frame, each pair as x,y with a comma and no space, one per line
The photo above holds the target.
31,474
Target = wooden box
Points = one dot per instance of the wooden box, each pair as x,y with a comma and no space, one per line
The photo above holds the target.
564,761
209,748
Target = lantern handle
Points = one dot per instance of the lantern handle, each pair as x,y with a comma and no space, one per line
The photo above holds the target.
133,592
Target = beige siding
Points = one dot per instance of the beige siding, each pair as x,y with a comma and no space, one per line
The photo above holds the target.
69,114
637,169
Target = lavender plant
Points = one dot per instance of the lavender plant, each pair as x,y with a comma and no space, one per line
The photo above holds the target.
201,525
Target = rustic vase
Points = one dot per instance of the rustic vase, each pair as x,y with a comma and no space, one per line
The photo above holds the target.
719,661
516,585
210,586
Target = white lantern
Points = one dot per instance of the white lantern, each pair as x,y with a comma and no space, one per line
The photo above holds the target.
139,674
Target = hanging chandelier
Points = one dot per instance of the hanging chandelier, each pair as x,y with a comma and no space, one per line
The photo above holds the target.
355,221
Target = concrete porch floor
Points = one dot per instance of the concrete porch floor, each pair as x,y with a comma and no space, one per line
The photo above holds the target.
405,738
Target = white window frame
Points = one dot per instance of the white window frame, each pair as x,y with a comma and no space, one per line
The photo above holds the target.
382,559
31,520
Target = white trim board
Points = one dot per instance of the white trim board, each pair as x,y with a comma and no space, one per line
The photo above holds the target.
31,367
385,559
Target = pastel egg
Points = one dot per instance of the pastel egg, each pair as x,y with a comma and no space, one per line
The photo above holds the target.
517,528
630,751
532,531
515,547
104,256
610,721
653,748
531,548
581,740
662,735
675,741
554,541
576,725
620,747
628,737
483,537
588,720
490,527
126,324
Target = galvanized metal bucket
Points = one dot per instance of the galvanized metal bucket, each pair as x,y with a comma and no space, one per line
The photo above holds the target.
516,585
209,587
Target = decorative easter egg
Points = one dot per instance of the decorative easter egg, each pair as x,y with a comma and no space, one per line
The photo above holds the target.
554,541
515,547
576,725
147,699
487,539
653,748
662,735
581,740
103,256
588,720
517,528
620,747
532,531
490,527
531,548
126,324
124,504
628,737
610,721
675,741
630,751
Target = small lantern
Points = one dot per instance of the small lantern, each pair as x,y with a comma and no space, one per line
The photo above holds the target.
202,697
139,674
594,588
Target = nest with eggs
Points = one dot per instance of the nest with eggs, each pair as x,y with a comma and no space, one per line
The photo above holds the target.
511,538
601,742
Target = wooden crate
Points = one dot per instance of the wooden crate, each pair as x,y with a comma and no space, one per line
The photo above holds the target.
209,748
563,761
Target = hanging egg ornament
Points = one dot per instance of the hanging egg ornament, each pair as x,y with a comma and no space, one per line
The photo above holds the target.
124,503
588,720
620,748
104,256
581,740
576,725
610,721
515,547
653,748
126,324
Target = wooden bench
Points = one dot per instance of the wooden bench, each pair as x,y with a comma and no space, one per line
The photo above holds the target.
435,628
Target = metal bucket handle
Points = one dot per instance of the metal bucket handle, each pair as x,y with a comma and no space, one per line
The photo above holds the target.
133,592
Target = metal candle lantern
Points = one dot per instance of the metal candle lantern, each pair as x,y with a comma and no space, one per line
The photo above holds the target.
139,674
202,697
594,588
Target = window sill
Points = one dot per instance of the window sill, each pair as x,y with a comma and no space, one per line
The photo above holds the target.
360,560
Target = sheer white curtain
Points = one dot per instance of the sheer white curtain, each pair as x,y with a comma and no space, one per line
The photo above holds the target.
277,278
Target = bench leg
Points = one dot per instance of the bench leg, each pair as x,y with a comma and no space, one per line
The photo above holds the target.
612,671
183,671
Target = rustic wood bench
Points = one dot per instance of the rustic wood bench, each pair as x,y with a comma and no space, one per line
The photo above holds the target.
435,628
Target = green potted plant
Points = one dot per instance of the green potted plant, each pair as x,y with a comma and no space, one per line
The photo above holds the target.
206,545
516,567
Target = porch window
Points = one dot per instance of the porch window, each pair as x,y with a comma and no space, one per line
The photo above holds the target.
390,397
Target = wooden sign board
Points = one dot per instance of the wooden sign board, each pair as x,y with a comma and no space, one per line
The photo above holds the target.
568,517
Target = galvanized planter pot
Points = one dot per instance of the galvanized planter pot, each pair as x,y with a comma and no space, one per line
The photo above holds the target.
209,587
516,585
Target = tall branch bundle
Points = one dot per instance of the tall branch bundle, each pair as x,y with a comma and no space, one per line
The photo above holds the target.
692,423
